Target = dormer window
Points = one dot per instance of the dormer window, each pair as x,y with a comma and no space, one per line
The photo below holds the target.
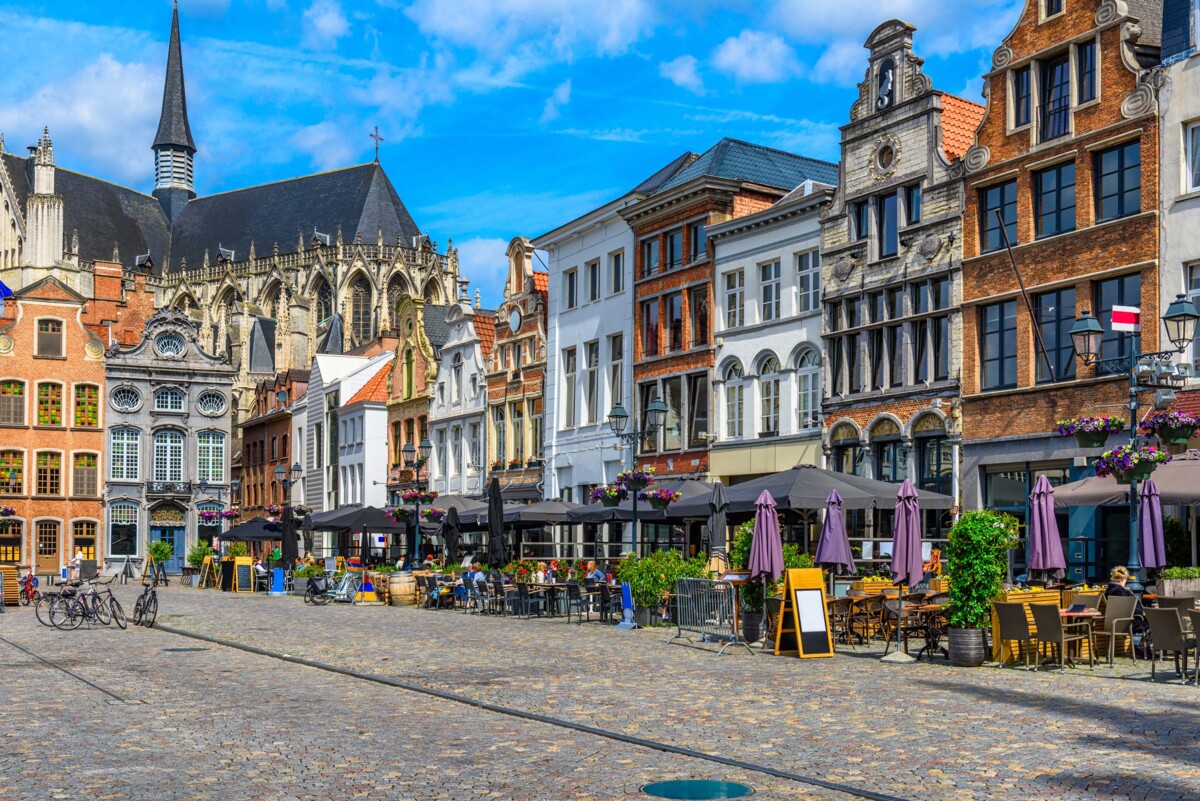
885,95
1022,95
1054,104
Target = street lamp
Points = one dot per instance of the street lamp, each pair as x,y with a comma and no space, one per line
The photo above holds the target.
415,459
286,479
1145,371
618,421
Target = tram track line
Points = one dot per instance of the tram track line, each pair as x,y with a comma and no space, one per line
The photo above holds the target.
59,667
655,745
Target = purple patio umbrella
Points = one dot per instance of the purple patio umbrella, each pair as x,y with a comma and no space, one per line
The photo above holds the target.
1045,553
1152,548
766,549
833,549
907,565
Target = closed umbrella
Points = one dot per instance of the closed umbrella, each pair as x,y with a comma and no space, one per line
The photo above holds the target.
718,504
833,549
495,525
450,533
306,528
907,565
766,548
1152,547
1045,554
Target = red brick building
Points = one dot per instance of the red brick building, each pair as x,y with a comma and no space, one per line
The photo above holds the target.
1067,154
516,377
673,351
266,440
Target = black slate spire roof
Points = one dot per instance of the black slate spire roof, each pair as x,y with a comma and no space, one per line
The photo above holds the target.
173,127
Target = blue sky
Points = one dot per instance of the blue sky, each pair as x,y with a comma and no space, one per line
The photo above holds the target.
501,117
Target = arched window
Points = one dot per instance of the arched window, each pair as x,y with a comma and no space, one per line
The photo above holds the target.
808,396
168,400
360,310
397,288
12,472
768,386
735,398
168,456
456,378
123,529
324,302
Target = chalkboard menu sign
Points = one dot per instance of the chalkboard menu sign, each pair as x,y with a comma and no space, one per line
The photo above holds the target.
227,575
803,619
244,579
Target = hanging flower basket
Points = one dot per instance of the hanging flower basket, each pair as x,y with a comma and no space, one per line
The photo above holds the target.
1129,462
418,496
1171,428
300,510
273,509
433,514
7,511
209,516
610,494
659,498
1091,432
636,479
232,513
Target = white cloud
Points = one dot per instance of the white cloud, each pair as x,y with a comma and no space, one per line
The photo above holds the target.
328,144
93,116
559,98
324,24
683,73
538,31
756,57
483,261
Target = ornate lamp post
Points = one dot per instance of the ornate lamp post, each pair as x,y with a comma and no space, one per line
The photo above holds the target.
1156,371
618,420
415,459
286,479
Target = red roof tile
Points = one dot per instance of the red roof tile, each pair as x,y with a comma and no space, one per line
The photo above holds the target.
374,390
541,281
960,120
1188,402
485,329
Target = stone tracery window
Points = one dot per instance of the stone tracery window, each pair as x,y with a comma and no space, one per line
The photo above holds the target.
324,302
360,310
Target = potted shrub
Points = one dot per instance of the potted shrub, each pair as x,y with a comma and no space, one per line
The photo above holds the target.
1171,428
751,594
1131,462
636,479
659,498
1091,432
652,580
609,494
977,559
161,552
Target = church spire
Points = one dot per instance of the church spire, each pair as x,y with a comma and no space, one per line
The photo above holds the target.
174,148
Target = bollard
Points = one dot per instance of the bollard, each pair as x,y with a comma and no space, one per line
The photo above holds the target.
277,583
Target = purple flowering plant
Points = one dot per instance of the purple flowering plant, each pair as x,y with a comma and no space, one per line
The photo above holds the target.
1091,425
7,511
418,496
638,475
433,514
661,494
1166,420
609,492
1127,457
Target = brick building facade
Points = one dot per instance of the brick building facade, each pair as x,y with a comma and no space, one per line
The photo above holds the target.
1068,156
267,441
516,377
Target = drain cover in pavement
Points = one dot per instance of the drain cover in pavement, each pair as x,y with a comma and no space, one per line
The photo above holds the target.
697,789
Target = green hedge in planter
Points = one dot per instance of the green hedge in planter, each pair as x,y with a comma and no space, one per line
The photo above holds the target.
652,578
1180,573
977,559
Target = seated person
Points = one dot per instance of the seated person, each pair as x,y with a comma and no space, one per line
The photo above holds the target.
594,573
933,568
258,567
1117,580
551,574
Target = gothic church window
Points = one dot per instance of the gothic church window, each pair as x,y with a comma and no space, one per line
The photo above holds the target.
324,302
360,310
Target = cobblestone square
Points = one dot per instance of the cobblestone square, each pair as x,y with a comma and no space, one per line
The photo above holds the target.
152,714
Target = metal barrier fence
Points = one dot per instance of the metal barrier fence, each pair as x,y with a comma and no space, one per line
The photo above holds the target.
707,608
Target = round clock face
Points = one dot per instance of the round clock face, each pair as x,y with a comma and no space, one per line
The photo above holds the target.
514,320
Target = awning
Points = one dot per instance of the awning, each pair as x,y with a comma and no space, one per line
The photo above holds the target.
1178,484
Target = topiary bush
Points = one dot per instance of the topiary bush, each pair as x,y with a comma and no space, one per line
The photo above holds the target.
977,560
160,551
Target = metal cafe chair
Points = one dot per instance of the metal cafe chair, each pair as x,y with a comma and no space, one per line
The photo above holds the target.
1168,636
1052,631
1014,627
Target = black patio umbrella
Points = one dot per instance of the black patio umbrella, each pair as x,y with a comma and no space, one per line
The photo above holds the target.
450,533
356,518
717,505
495,525
542,513
459,502
258,529
306,527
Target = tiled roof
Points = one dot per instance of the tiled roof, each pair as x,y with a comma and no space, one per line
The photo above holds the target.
738,160
374,390
960,120
541,281
1188,402
485,329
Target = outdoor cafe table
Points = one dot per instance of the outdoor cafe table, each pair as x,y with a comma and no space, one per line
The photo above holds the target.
928,613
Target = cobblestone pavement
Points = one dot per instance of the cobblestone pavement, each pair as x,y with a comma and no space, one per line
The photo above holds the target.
171,718
916,731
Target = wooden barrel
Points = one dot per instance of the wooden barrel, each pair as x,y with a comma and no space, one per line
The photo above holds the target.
402,589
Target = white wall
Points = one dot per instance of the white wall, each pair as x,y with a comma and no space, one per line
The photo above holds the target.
1179,105
583,454
452,414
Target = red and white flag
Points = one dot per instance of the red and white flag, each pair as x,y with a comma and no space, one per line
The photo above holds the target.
1126,318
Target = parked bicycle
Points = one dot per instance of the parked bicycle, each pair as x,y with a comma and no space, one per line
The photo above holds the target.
85,601
321,589
29,593
145,610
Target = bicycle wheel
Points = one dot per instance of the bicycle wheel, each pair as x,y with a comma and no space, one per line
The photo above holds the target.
151,611
100,609
67,614
322,598
139,610
117,613
42,608
310,592
23,597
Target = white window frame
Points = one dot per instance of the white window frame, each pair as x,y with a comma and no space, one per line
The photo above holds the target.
770,282
169,393
591,382
770,387
808,267
1191,155
595,287
808,390
210,456
570,363
735,298
616,269
735,402
125,454
168,455
571,288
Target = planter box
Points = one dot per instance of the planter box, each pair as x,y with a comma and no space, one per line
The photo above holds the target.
873,587
645,617
940,584
1173,588
299,585
1009,652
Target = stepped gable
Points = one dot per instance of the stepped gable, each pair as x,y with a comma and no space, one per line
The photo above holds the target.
360,200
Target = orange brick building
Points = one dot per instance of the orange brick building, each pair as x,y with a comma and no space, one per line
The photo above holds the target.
673,348
266,440
52,412
1066,165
